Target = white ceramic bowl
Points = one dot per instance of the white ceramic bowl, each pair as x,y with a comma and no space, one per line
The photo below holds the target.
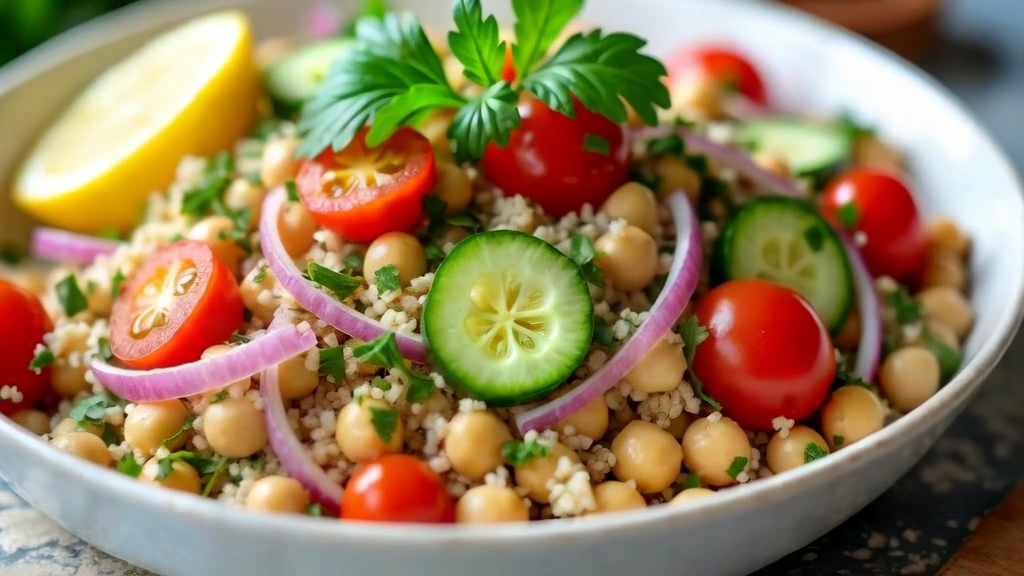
959,171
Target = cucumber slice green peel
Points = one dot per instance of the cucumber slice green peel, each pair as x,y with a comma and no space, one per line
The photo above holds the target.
786,241
811,149
508,318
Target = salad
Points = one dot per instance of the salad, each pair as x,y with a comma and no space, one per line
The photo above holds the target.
502,275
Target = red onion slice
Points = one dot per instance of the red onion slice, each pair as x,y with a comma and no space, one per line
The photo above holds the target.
679,287
869,351
290,450
208,374
325,307
63,246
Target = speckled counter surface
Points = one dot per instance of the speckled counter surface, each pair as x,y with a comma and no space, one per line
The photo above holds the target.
912,529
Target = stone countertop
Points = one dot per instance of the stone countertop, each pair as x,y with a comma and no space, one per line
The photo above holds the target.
971,468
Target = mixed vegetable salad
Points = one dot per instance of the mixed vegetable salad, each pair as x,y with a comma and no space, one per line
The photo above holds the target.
499,275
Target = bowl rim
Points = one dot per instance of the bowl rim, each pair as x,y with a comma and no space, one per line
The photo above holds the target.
137,18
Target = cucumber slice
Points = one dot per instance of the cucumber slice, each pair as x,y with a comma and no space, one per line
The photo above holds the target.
508,318
296,77
811,149
785,240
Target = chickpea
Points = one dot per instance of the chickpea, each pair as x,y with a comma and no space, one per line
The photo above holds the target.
68,380
454,188
947,305
699,95
453,235
851,414
634,203
71,425
258,296
358,438
943,268
908,377
615,496
244,195
296,226
590,421
34,421
295,379
647,455
279,163
795,449
691,494
277,494
83,445
474,443
212,230
673,174
629,258
710,448
234,427
183,477
534,475
773,163
871,152
399,249
97,283
151,424
677,426
944,334
849,333
488,504
661,369
946,234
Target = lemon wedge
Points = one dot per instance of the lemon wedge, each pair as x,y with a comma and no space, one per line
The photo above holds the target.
191,91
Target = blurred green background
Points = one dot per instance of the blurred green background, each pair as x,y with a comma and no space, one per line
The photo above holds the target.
25,24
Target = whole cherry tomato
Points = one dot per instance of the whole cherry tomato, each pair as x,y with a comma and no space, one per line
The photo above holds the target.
24,324
767,353
397,488
547,159
879,206
362,193
728,67
180,302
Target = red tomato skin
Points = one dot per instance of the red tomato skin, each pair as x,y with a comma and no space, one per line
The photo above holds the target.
364,213
887,216
205,316
24,323
767,354
397,488
722,63
545,162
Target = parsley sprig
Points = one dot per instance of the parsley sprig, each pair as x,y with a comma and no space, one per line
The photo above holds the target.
393,76
383,351
693,334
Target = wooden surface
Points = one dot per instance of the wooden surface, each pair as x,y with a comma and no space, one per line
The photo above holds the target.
997,546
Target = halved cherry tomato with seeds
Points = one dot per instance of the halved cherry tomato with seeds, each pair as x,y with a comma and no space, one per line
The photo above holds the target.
24,324
397,488
179,303
728,67
362,193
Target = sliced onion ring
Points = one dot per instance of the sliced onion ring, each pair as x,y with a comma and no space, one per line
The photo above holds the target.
869,351
679,287
208,374
290,451
337,314
63,246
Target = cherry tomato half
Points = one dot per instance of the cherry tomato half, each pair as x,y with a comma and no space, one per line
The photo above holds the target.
880,206
179,303
767,353
728,67
397,488
547,162
362,193
24,324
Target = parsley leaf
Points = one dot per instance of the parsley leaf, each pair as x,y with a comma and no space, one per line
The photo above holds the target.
314,509
582,252
381,384
103,344
216,177
949,358
115,284
385,421
693,334
671,144
837,441
519,453
853,128
848,214
692,481
41,360
908,310
342,285
476,43
129,466
538,24
292,191
185,427
261,275
92,410
739,463
488,118
595,144
219,397
12,254
603,333
383,351
387,280
602,70
221,464
353,262
332,363
813,452
404,107
70,296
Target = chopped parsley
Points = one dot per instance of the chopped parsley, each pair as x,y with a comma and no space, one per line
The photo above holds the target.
595,144
837,441
219,397
385,421
582,252
353,262
185,427
332,363
209,469
671,144
239,232
314,509
908,310
129,466
519,452
115,284
853,127
70,296
213,476
739,464
342,285
261,275
949,358
387,280
603,333
92,411
383,351
41,360
465,221
292,190
813,452
103,344
693,334
434,208
848,215
237,338
12,254
692,480
815,237
381,384
206,194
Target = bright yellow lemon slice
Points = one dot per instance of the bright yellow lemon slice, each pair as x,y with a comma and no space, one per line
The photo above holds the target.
192,90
